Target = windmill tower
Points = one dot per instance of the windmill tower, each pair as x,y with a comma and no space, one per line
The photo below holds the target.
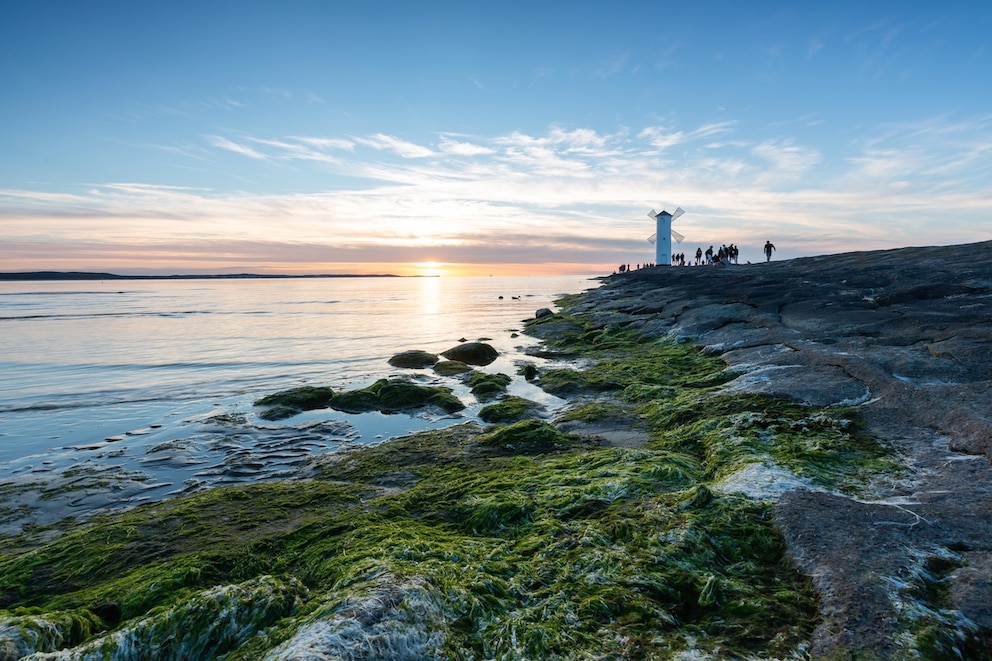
662,237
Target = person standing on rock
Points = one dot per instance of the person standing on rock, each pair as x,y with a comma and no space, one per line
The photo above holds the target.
769,247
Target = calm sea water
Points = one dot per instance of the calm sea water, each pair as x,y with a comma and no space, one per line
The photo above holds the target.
158,376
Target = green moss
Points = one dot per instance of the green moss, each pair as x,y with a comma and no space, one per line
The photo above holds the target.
487,386
527,437
594,412
528,371
451,367
305,398
395,395
509,409
532,543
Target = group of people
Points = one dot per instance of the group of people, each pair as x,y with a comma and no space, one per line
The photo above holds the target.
723,255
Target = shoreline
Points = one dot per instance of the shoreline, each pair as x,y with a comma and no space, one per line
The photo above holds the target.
755,427
52,276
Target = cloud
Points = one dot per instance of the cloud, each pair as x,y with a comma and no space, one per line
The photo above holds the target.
228,145
391,143
564,194
452,146
788,160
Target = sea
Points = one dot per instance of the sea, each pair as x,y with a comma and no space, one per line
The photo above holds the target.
118,392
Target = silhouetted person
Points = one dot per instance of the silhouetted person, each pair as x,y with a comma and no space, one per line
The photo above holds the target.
769,247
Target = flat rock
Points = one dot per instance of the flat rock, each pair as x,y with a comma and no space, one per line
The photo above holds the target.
904,336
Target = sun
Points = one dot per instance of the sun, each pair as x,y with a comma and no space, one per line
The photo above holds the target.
429,269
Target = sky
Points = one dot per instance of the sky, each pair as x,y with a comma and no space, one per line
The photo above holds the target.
457,138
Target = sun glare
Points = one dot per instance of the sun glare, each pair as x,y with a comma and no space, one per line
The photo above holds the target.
428,269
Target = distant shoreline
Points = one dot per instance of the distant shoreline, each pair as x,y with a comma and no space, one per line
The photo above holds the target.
85,275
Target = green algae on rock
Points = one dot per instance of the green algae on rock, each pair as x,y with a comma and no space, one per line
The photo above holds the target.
384,395
396,395
472,353
517,541
509,409
488,386
451,367
413,359
304,398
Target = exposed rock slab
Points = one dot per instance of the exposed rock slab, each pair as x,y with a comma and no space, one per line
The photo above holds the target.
905,335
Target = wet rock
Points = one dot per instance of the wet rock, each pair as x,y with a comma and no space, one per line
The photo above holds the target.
472,353
413,359
396,395
451,367
510,409
487,386
305,398
903,336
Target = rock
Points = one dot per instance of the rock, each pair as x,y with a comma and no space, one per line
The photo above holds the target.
902,336
488,386
451,367
472,353
542,313
509,409
528,371
413,359
288,403
396,395
528,437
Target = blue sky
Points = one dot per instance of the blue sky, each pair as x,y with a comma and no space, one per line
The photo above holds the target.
458,137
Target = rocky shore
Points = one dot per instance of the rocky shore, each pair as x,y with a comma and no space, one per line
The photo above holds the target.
786,460
903,336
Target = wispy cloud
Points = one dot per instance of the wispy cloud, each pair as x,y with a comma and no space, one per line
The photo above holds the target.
565,194
398,146
612,66
229,145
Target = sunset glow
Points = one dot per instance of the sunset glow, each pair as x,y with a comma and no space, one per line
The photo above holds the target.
420,142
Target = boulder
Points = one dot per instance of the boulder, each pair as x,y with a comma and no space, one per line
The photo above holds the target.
472,353
451,367
542,313
396,395
413,359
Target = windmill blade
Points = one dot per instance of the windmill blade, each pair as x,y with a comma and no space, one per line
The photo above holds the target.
652,214
678,237
678,212
653,237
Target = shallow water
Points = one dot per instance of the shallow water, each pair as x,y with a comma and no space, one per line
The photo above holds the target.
116,392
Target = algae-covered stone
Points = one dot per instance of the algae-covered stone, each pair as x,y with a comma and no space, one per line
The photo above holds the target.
304,398
413,359
395,395
509,409
487,386
528,437
472,353
206,625
279,412
22,635
451,367
528,371
287,403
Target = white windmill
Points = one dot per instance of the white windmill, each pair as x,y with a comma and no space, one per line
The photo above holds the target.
662,237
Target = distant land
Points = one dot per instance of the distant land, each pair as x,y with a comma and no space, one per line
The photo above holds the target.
84,275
